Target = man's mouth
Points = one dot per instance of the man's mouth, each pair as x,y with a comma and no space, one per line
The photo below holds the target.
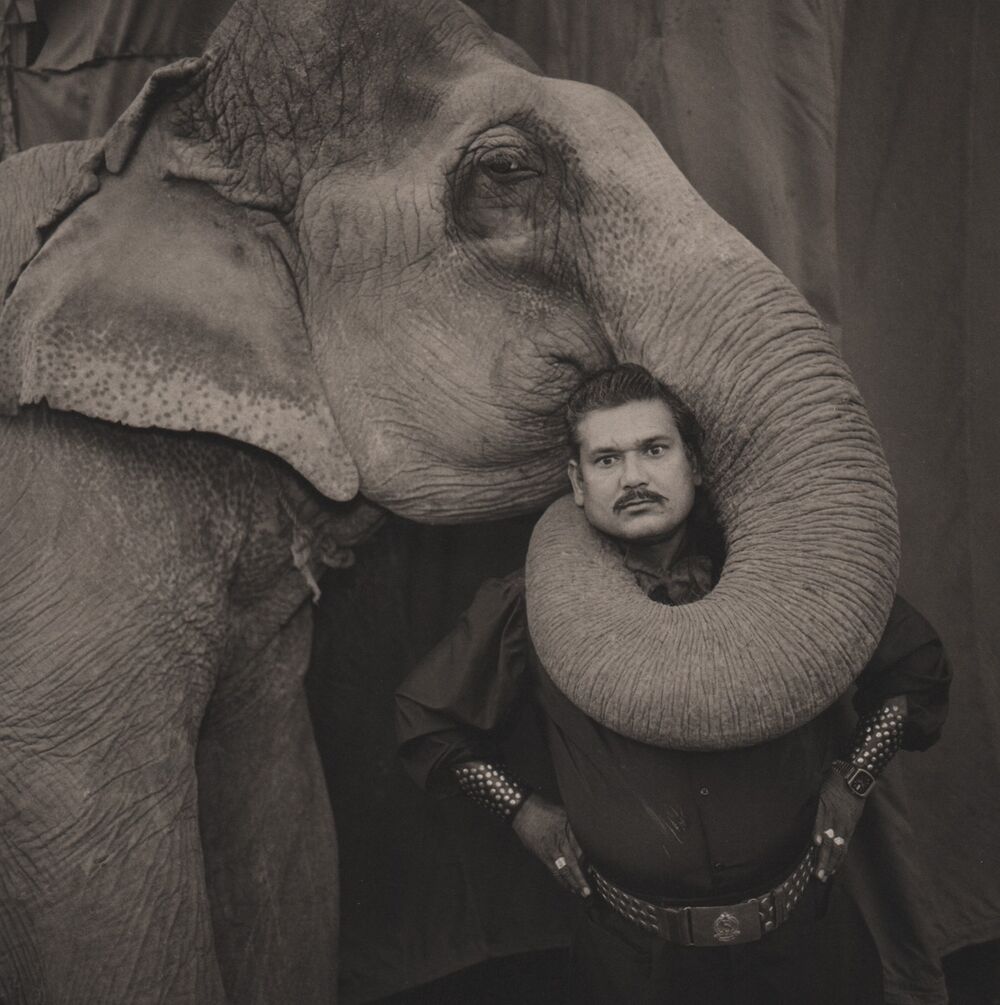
636,500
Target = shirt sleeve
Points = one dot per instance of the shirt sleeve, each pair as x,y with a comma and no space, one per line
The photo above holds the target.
910,660
461,693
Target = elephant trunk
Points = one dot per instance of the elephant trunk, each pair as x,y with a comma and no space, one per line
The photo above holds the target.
794,469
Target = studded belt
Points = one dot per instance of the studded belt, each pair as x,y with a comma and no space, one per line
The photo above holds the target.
718,925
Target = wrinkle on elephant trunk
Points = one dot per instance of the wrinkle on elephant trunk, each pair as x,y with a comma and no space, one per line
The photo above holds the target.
794,468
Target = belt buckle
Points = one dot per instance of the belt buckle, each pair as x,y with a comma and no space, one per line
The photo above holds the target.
725,926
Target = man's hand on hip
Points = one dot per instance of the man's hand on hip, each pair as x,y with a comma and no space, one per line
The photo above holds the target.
838,814
545,831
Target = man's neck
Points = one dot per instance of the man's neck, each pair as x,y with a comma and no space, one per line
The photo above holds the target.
656,555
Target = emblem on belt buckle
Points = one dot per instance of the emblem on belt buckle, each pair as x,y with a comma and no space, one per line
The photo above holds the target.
726,927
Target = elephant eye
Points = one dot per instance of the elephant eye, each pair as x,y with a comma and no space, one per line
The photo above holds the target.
504,194
507,164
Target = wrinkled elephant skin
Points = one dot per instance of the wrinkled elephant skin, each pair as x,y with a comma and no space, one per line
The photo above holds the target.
354,257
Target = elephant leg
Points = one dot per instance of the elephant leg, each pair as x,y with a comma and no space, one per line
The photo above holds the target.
267,830
102,895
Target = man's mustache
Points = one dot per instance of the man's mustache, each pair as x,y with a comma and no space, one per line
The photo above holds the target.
637,495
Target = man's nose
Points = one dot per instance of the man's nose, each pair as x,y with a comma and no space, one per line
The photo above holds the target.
633,471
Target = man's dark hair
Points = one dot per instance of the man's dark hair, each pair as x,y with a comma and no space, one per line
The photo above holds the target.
620,385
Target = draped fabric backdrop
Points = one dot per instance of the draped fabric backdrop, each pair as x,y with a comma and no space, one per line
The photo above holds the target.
855,143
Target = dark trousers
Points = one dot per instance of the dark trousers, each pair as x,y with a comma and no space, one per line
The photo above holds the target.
822,955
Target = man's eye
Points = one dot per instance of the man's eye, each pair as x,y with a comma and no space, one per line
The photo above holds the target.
604,462
656,450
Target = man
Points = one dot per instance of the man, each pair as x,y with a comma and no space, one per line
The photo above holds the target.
705,874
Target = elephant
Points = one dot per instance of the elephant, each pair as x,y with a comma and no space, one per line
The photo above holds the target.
352,260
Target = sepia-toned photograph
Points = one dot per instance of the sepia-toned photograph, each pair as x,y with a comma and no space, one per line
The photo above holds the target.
499,502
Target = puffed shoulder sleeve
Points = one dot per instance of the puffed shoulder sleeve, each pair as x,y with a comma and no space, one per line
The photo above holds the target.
910,660
464,689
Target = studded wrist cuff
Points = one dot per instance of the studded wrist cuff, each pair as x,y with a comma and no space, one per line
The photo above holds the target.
491,787
877,738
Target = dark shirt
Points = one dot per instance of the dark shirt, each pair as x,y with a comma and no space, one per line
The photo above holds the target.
666,823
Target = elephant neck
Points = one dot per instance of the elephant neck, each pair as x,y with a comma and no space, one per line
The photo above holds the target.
324,533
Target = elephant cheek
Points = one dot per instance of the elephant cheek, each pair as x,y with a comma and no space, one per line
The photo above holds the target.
446,440
438,493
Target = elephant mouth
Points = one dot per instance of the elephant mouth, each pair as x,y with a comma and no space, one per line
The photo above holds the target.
448,494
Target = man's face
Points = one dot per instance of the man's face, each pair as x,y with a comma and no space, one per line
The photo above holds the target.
633,479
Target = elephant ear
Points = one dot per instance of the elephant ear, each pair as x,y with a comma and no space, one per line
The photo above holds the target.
156,302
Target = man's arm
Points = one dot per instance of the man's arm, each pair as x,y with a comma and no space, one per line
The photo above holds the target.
451,705
902,701
850,780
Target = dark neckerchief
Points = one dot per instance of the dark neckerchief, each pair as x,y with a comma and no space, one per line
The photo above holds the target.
689,577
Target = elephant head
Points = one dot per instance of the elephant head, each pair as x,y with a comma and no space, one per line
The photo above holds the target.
371,239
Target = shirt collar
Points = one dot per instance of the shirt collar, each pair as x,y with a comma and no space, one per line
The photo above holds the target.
686,579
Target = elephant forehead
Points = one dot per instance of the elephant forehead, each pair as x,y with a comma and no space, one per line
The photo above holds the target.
333,74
